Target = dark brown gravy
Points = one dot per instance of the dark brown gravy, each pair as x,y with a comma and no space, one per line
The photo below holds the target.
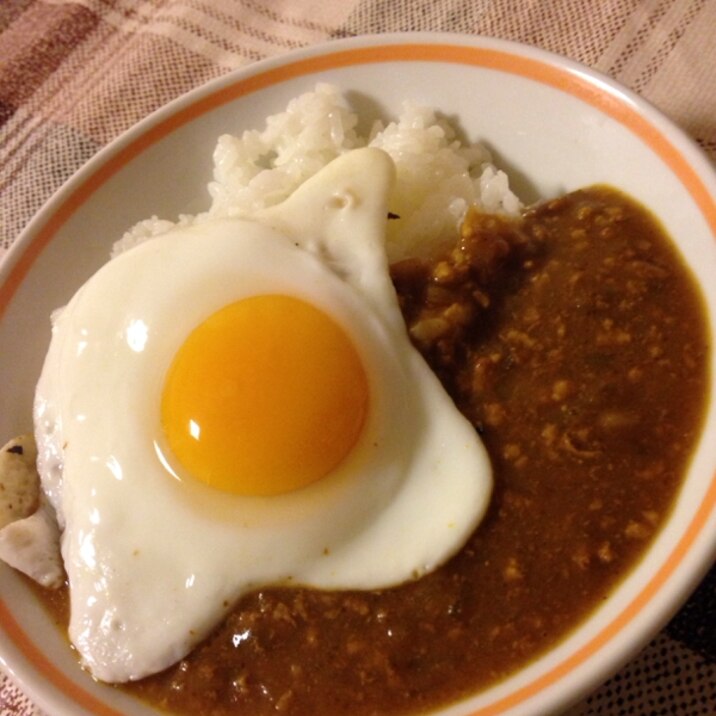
575,342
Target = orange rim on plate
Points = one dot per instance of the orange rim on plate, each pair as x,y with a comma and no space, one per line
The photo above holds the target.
579,85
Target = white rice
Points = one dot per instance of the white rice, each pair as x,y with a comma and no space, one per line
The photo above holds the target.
438,177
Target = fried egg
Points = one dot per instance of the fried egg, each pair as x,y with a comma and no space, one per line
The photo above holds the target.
236,403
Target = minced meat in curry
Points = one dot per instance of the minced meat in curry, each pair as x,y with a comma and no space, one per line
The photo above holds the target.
574,340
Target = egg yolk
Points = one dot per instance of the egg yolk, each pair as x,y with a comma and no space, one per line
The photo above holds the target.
267,395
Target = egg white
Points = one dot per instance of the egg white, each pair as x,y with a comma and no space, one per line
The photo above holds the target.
155,560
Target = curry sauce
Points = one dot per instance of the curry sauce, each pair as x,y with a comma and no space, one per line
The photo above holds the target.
574,340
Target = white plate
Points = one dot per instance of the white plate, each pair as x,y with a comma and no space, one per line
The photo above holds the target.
553,124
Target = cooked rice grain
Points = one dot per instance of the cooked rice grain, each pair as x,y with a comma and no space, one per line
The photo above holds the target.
438,177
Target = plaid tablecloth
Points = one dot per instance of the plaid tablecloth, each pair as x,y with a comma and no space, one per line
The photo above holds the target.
74,74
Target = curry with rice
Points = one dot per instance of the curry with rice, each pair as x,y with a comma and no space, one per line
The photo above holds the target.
574,340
